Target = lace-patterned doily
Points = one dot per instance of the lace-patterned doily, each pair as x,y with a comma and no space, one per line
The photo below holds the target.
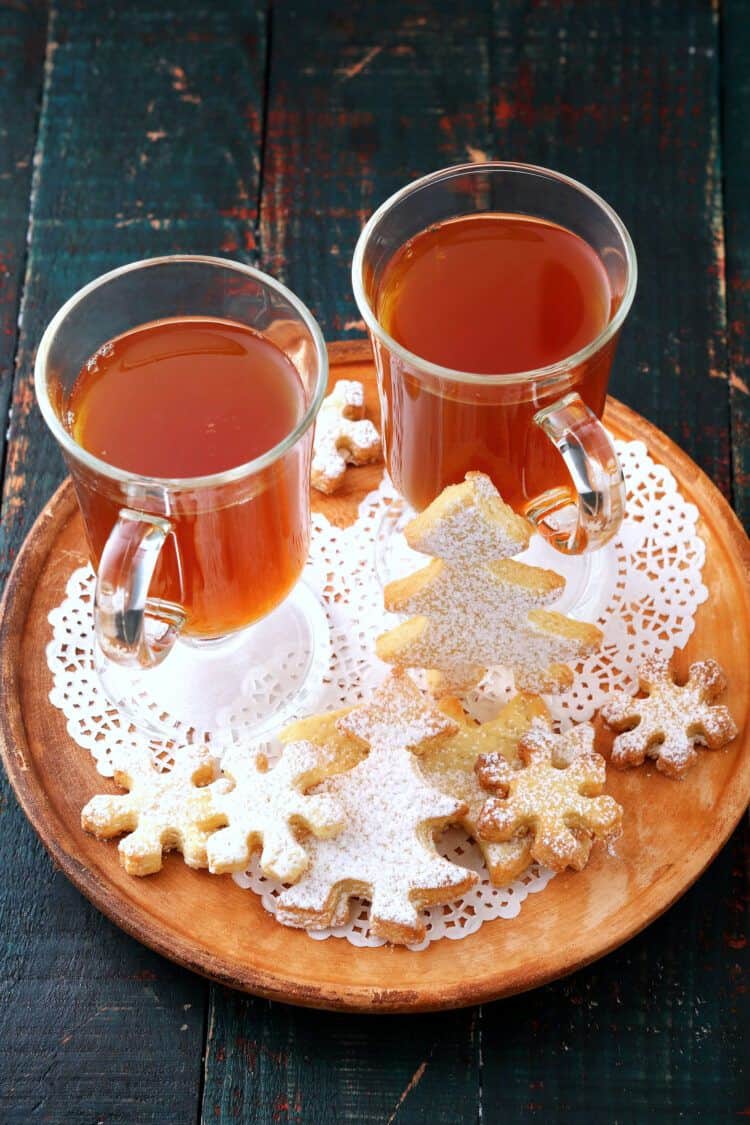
653,589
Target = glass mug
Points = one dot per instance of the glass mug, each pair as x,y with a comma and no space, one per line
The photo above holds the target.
537,433
191,560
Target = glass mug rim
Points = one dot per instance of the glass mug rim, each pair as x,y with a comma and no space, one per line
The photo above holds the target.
211,480
552,371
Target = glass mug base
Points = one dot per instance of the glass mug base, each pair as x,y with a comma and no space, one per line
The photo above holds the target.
229,691
589,579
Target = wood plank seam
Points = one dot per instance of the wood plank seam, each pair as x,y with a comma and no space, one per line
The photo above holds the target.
733,20
9,376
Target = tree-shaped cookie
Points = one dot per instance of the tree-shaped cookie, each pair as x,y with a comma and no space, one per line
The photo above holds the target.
343,749
267,805
343,436
555,799
473,605
450,767
386,852
673,720
160,811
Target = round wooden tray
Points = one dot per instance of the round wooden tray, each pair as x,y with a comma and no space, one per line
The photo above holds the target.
672,829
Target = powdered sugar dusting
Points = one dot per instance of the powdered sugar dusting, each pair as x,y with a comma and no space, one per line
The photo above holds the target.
342,435
467,522
386,851
264,804
555,798
473,609
160,810
672,720
450,766
656,589
398,718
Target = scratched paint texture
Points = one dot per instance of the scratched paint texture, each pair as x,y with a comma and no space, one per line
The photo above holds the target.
148,142
736,87
22,43
269,132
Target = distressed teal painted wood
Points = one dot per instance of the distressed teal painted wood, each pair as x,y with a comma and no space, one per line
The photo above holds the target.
362,99
625,98
149,143
163,131
736,157
271,1063
23,33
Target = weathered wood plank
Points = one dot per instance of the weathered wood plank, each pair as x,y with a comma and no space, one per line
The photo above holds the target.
149,143
273,1064
23,31
736,157
625,99
361,100
654,1032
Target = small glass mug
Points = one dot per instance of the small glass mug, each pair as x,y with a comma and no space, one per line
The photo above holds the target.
191,560
439,423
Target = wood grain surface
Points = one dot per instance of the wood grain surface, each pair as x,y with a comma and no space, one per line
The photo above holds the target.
671,832
160,127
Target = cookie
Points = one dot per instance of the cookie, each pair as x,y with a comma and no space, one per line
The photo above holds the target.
672,721
160,811
386,851
343,749
474,607
266,806
449,766
343,436
554,799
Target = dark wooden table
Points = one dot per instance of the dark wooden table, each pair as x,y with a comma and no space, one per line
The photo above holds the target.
268,132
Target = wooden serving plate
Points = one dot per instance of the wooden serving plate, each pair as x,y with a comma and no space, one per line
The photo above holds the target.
672,829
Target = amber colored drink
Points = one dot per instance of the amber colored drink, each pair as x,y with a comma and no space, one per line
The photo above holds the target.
487,294
188,398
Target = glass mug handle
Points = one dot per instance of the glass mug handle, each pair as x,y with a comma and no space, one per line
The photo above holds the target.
591,459
122,607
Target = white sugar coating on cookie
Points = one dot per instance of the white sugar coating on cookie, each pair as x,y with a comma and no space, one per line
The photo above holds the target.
450,767
467,522
472,609
265,806
348,396
673,720
486,616
401,720
556,798
386,806
342,435
386,851
159,811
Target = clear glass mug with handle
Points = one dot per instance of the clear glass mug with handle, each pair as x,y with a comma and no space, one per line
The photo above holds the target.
203,630
539,431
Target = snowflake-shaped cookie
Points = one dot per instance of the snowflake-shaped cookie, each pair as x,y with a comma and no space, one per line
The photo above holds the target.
555,799
386,852
450,767
343,436
160,811
672,721
265,807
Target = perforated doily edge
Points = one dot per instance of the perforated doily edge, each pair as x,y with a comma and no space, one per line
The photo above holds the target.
368,510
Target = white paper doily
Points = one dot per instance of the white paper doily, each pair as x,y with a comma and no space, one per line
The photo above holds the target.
656,588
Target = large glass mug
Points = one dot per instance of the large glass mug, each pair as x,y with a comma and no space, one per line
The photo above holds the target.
537,433
197,558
